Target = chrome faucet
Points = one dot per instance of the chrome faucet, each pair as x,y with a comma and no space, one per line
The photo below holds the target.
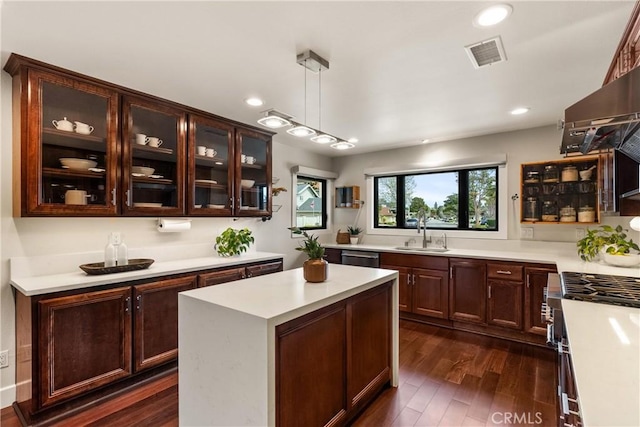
422,214
409,241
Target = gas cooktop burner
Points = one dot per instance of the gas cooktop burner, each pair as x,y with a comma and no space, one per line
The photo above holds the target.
608,289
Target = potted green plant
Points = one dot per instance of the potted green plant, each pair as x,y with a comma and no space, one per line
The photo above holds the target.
354,232
610,243
315,268
233,242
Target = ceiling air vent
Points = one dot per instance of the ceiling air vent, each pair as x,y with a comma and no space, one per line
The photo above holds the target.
486,52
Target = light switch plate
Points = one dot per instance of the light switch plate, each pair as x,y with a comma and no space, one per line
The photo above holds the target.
526,232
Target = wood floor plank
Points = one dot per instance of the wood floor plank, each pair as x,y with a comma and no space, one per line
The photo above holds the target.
469,387
406,418
481,404
423,396
438,405
455,414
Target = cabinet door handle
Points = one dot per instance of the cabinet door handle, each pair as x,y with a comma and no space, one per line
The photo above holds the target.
139,301
127,304
528,282
413,279
408,279
507,272
450,272
113,197
128,194
231,202
489,291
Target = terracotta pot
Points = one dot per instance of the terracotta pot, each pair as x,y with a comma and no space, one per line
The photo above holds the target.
315,270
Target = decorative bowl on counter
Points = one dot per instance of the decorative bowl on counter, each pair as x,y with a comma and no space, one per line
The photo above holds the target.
622,260
247,183
78,164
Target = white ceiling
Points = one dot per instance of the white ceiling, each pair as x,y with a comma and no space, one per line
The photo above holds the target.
398,69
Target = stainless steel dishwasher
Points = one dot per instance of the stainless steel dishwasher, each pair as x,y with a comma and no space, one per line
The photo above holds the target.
361,258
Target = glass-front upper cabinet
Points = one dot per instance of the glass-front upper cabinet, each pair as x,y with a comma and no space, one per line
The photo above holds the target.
253,180
210,180
69,166
154,140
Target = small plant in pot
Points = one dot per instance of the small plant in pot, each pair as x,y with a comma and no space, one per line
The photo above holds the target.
611,244
354,232
315,268
233,242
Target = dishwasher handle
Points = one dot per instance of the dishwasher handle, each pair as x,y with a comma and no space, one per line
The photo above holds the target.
360,255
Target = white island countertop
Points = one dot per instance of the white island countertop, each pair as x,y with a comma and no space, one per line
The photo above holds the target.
227,339
604,342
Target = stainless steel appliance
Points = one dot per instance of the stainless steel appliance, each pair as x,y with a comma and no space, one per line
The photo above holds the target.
361,258
596,288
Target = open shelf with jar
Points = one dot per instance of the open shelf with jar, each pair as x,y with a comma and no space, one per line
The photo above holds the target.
561,192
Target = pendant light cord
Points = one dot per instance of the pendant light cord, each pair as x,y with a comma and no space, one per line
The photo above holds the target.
305,92
320,100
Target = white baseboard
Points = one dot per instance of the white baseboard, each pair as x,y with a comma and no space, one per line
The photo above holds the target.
7,395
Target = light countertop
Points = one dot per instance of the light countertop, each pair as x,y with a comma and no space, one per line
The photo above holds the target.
564,262
30,284
604,341
275,295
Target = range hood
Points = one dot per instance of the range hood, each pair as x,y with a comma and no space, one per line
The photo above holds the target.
609,117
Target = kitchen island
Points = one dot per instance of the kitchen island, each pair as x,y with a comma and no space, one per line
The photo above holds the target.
252,352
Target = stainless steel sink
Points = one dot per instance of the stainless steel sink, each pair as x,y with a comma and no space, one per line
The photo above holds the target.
413,248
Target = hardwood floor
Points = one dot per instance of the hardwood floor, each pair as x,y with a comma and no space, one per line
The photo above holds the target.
453,378
447,378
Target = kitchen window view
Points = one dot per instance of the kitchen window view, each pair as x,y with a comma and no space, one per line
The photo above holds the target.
464,199
311,203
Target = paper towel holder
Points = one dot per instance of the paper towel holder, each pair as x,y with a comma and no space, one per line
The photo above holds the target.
173,225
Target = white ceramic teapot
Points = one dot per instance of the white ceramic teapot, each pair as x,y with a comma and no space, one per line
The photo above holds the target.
63,124
83,128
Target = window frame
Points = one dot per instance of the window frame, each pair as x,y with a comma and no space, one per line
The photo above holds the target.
324,214
312,173
488,162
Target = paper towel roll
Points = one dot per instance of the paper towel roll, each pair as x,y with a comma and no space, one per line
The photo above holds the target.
173,225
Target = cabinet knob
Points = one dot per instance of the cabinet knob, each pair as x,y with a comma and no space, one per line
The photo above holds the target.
113,197
128,194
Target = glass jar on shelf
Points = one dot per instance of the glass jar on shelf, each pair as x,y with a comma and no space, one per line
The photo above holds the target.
550,211
586,214
568,214
530,209
532,177
550,174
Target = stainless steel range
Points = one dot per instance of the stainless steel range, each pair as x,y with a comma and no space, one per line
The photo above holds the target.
607,289
595,288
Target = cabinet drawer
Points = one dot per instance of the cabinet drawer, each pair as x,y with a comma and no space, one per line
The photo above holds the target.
505,271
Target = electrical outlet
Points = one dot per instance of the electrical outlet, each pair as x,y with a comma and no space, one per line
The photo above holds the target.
526,232
4,358
116,237
580,233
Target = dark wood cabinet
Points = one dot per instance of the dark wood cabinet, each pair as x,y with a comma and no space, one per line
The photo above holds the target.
430,293
333,255
311,369
155,335
536,281
423,283
264,268
153,177
369,346
333,361
467,290
43,101
74,346
226,275
84,343
131,153
504,294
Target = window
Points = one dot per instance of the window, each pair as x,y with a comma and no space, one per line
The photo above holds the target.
464,199
311,203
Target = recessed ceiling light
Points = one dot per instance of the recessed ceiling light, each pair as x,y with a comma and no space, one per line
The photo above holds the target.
254,102
519,110
352,140
492,15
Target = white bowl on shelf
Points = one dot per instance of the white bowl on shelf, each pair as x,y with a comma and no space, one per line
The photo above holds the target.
247,183
78,164
142,170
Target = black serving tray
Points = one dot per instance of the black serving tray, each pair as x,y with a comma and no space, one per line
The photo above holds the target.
99,268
